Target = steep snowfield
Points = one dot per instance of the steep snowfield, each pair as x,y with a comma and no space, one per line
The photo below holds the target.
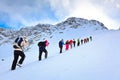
97,60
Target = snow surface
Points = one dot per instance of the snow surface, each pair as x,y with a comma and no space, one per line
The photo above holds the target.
97,60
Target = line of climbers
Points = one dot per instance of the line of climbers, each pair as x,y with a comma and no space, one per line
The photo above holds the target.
72,43
21,42
19,45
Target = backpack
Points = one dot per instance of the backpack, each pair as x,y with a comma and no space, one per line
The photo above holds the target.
46,42
18,42
41,43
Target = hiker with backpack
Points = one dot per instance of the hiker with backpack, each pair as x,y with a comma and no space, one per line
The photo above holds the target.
18,46
67,45
90,38
81,41
78,42
74,42
71,43
42,48
61,43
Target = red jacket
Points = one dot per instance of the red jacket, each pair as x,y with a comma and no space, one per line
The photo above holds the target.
71,41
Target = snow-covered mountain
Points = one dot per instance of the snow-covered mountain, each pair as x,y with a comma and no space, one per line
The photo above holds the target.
41,31
77,26
95,60
74,22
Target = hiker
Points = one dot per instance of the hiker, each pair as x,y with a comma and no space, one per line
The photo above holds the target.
78,42
67,45
90,38
61,43
81,41
74,42
18,45
71,42
42,48
85,40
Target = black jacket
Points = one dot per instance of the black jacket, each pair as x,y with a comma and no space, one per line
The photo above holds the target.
42,45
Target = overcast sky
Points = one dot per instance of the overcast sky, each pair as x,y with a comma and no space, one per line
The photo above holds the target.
18,13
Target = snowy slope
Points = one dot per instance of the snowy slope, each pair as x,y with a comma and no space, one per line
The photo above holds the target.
96,60
70,28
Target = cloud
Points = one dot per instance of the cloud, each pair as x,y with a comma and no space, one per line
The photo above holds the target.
111,9
31,12
26,12
60,8
106,11
101,10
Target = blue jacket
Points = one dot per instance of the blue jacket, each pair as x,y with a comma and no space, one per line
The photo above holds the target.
61,43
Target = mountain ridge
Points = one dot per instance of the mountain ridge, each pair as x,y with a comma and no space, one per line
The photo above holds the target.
40,31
